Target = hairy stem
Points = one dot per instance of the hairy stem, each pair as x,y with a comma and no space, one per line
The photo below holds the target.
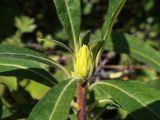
81,101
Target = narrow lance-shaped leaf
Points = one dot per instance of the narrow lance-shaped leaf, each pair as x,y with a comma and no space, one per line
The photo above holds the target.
140,101
113,10
69,15
60,44
25,69
56,104
137,49
24,53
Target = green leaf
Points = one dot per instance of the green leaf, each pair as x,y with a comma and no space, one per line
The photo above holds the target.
141,101
69,15
114,9
27,54
154,84
25,69
59,43
137,49
56,104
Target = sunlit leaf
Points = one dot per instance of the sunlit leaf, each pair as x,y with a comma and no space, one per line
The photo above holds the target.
140,101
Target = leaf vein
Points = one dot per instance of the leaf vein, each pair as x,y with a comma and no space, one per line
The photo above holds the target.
57,102
116,87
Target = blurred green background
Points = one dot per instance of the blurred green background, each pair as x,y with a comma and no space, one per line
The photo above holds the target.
139,17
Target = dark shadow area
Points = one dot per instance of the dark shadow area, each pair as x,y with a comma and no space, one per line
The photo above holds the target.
44,14
120,44
150,112
18,111
8,10
21,104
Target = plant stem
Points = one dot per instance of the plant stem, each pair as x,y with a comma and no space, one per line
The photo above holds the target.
81,101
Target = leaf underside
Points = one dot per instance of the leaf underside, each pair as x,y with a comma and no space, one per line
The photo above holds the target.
27,54
25,69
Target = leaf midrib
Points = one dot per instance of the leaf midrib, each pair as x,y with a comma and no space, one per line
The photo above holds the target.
27,55
116,87
57,101
70,20
47,60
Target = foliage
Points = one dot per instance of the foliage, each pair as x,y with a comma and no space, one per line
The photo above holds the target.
47,73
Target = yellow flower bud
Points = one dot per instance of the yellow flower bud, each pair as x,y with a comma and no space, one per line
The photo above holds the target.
83,64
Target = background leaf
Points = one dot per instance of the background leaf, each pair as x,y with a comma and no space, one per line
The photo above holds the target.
139,50
114,8
141,101
56,104
69,15
10,82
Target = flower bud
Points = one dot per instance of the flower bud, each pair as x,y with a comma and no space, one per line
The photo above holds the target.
83,64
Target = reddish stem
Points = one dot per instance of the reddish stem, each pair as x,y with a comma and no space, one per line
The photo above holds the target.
81,101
